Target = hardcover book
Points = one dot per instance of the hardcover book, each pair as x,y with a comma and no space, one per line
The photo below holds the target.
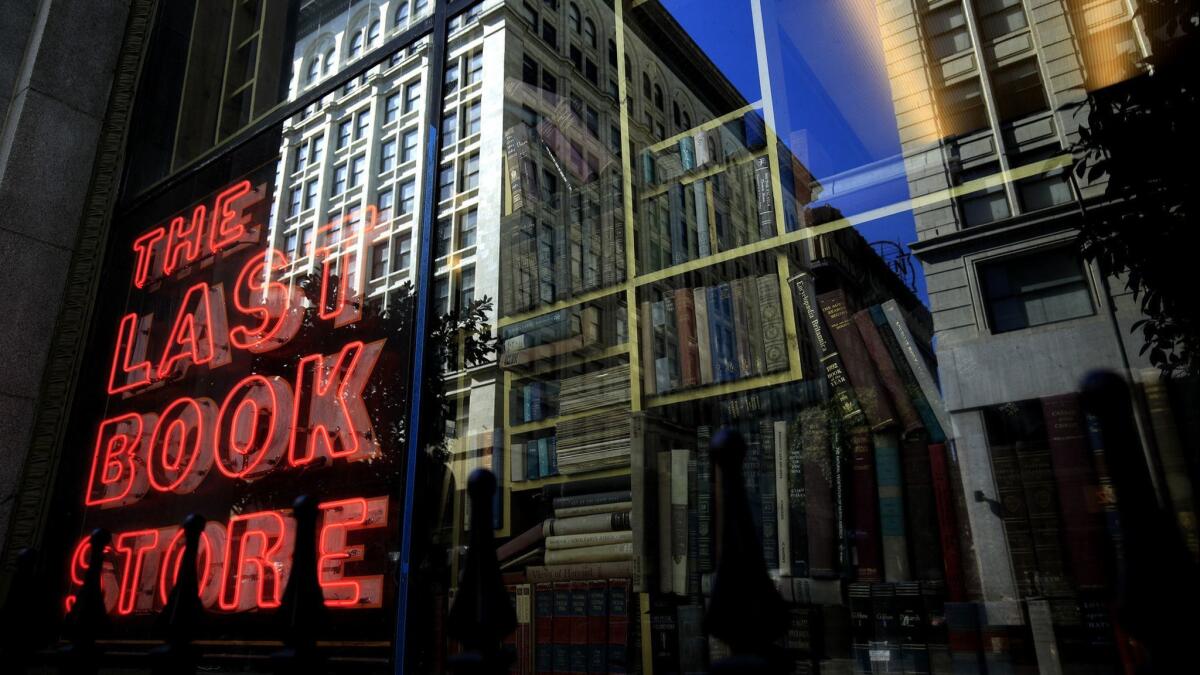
817,471
846,403
775,357
866,515
867,388
910,422
891,507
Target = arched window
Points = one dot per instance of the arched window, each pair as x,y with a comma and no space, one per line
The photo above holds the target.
314,69
612,53
658,99
419,8
675,113
646,85
330,57
373,32
356,44
687,120
589,32
402,14
573,17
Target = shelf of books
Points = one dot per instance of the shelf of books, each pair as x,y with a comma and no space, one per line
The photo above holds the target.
652,292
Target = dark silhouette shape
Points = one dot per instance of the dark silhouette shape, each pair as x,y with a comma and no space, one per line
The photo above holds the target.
1157,588
88,617
18,634
482,615
183,611
745,611
302,609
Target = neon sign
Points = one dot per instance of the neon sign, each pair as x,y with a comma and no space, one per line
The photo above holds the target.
310,415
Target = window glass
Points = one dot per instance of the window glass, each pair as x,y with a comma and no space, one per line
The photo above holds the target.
1037,289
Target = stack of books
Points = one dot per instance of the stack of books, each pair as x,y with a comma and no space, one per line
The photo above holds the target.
598,389
534,458
595,442
534,401
700,336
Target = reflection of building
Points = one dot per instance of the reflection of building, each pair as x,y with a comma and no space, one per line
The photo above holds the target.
985,94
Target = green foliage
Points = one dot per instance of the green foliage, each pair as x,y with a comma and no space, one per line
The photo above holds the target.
1143,136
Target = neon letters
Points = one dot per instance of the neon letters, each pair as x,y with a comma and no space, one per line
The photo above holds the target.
308,414
242,565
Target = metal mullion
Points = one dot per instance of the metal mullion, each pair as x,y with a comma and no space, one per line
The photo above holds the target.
434,114
286,110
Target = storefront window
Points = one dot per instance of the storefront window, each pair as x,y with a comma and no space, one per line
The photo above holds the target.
867,238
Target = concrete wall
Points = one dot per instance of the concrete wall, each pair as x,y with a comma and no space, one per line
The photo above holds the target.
57,59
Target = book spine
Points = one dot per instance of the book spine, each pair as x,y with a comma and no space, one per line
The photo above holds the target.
704,500
703,241
562,628
1037,476
687,153
866,515
647,339
730,357
741,333
867,388
672,348
704,345
600,522
910,422
911,626
578,650
920,509
1076,487
1170,455
693,526
917,364
765,197
509,645
890,484
692,643
564,541
642,467
665,539
579,571
618,626
703,151
775,357
1106,496
544,627
592,499
962,621
677,226
664,638
679,519
597,627
842,393
768,495
754,326
933,428
862,626
885,648
516,469
525,645
811,468
841,479
543,450
572,511
689,348
752,469
783,496
532,468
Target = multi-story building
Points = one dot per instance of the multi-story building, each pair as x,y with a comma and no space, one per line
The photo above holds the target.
988,97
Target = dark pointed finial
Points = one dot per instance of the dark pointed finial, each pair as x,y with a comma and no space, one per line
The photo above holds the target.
88,615
482,615
182,614
745,611
17,633
302,608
